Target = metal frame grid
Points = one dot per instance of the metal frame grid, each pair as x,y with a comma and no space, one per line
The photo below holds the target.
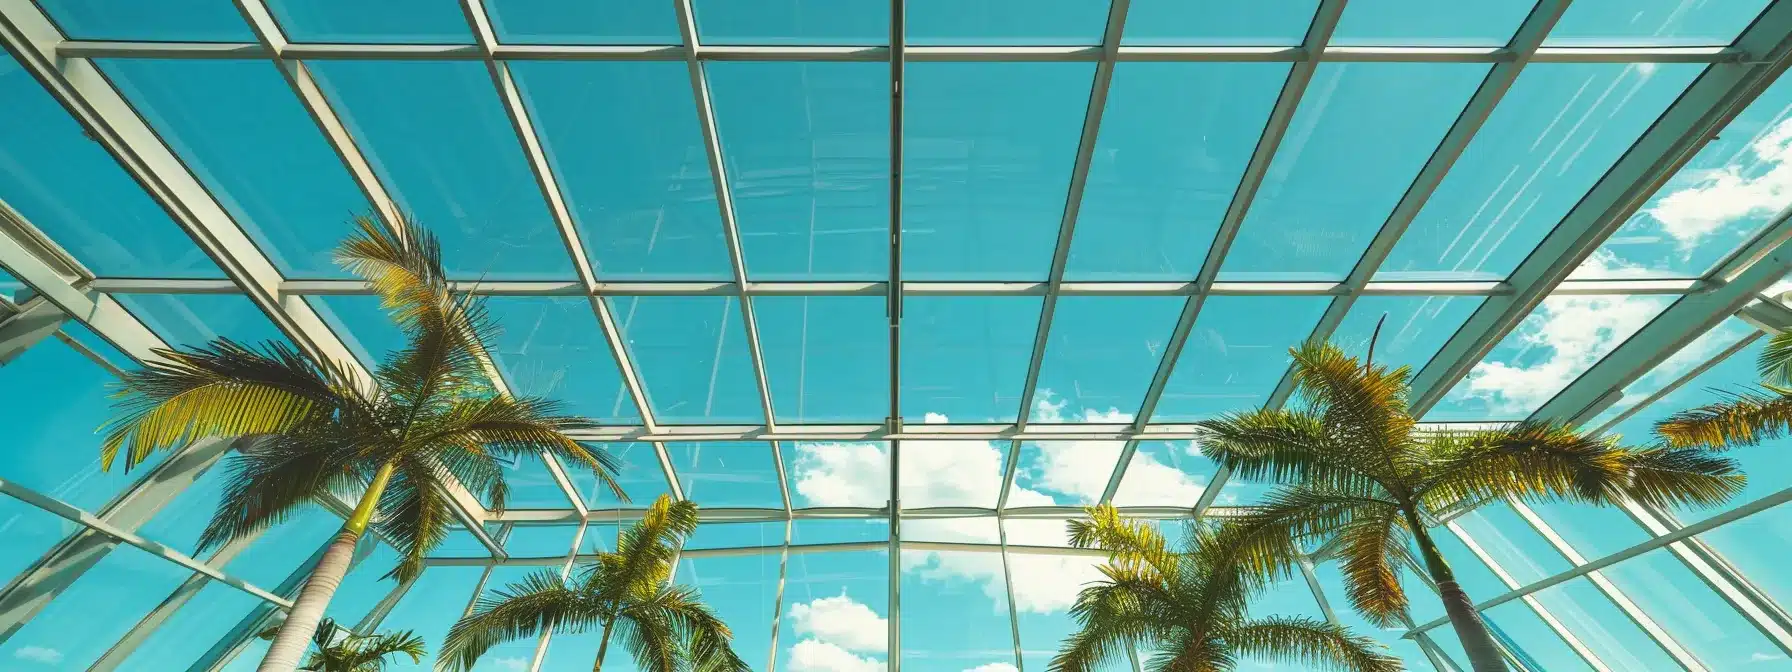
1735,74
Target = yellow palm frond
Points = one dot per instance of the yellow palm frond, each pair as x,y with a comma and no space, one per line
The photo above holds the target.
522,609
415,511
1744,418
1286,446
1127,542
1775,364
1312,644
1671,477
1367,547
1540,461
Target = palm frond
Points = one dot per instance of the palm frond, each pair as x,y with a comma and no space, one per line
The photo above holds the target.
1282,446
1112,617
1363,406
1367,547
1531,460
520,427
521,609
369,652
1310,644
703,638
1744,418
415,512
1775,364
222,390
650,640
1668,477
648,547
1127,542
1265,540
270,477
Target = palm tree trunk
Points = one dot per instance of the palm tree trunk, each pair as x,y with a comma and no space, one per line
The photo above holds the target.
603,646
1477,643
307,611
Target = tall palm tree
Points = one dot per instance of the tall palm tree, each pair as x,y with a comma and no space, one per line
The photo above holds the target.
427,422
626,592
1746,417
339,649
1191,608
1354,468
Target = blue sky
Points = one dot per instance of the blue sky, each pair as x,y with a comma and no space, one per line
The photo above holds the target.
989,156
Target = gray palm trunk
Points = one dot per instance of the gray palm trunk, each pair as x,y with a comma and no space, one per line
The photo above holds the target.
294,637
603,647
1477,643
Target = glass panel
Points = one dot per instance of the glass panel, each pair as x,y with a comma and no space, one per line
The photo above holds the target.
742,591
1688,609
192,630
191,320
1757,546
965,357
362,325
952,473
990,148
641,478
29,532
291,194
1044,588
966,529
1419,22
1151,206
540,541
1296,596
100,346
179,524
811,531
1535,641
1556,343
1611,635
1512,543
834,612
955,611
66,396
1718,200
532,486
1593,531
1164,473
1065,473
11,288
285,547
1653,22
1055,22
794,22
1279,22
551,347
175,20
461,544
1502,196
736,535
69,188
1416,326
443,147
1361,134
432,605
583,22
807,147
76,628
392,21
1695,354
1102,354
635,176
838,474
691,355
727,474
827,358
1237,353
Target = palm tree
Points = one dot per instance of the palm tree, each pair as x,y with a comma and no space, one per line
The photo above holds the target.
339,649
1746,417
426,423
1355,469
626,592
1191,607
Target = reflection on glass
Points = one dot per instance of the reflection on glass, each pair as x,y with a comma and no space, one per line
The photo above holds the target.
727,474
1361,134
1513,543
1236,354
635,176
389,21
531,486
57,454
1661,22
444,148
1693,355
174,20
964,358
1102,354
827,358
1415,327
954,611
1551,138
583,22
1054,22
70,189
1175,139
807,147
806,22
1420,22
1593,531
1562,338
836,608
1757,546
989,150
691,355
1171,22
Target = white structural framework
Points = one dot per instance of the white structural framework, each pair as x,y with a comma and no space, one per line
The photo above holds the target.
63,290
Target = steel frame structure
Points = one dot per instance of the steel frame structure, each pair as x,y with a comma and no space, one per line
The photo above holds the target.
1735,74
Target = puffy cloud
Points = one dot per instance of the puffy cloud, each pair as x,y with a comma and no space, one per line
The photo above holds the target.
994,667
1559,341
1756,182
816,656
38,654
842,622
1762,657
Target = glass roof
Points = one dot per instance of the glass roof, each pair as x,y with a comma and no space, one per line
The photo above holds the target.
1011,271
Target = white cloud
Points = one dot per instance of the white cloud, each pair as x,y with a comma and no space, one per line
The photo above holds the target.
1756,182
815,656
1560,340
994,667
512,664
38,654
1759,657
842,622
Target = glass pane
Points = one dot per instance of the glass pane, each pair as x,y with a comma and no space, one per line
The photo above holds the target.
179,524
67,397
1151,206
1556,343
838,474
1044,588
1503,196
952,473
1102,354
362,325
1654,22
1717,201
1695,354
192,630
443,147
955,611
1164,473
1518,625
76,628
742,591
1419,22
737,535
551,347
1416,327
394,21
1296,596
432,605
540,541
691,355
1279,22
69,188
199,20
1055,22
191,320
727,474
834,612
1064,473
827,358
290,193
1513,543
635,176
812,531
1688,609
1237,353
640,477
583,22
532,486
1611,635
1593,531
285,547
1361,134
987,166
1757,546
965,357
30,531
794,22
807,147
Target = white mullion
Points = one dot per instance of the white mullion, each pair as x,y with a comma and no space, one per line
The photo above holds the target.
1008,585
1677,383
771,665
1750,601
